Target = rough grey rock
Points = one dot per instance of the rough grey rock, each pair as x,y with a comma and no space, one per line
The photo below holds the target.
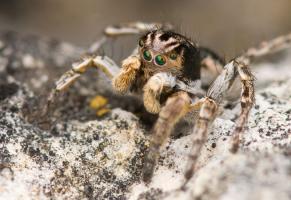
94,159
85,157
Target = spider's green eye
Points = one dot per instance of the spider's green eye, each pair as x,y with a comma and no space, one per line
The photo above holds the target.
173,56
141,43
160,60
147,55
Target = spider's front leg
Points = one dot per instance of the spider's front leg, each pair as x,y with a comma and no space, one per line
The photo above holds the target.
175,108
104,63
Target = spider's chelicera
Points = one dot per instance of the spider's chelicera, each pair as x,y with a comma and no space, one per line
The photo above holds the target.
177,79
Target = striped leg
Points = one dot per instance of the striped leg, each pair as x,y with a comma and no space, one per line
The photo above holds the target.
224,81
176,107
206,116
215,95
247,101
104,63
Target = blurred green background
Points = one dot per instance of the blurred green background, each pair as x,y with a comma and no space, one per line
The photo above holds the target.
228,26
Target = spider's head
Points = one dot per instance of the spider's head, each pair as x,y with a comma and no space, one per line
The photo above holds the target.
169,51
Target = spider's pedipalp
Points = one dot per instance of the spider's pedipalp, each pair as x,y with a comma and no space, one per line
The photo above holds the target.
153,89
175,108
127,75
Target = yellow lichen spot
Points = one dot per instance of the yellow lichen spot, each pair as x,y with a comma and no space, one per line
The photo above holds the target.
102,112
98,102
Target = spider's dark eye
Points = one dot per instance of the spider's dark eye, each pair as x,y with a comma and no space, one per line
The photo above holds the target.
141,43
147,55
173,56
160,60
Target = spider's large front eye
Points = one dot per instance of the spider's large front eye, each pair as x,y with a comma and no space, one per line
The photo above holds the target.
147,55
160,60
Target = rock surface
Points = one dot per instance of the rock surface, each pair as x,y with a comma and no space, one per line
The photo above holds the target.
85,157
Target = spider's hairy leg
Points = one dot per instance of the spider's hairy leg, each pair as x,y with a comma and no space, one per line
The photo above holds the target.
153,89
104,63
222,84
134,28
128,73
207,113
269,47
175,108
209,108
247,101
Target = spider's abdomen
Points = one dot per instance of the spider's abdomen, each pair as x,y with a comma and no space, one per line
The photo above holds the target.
191,62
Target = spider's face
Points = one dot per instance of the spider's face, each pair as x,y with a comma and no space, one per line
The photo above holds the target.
170,52
161,50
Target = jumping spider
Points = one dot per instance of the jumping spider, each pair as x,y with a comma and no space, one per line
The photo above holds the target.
171,73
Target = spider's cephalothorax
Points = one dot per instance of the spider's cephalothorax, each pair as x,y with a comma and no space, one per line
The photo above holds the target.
170,73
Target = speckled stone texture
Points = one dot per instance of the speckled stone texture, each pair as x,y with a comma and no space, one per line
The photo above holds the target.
76,155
